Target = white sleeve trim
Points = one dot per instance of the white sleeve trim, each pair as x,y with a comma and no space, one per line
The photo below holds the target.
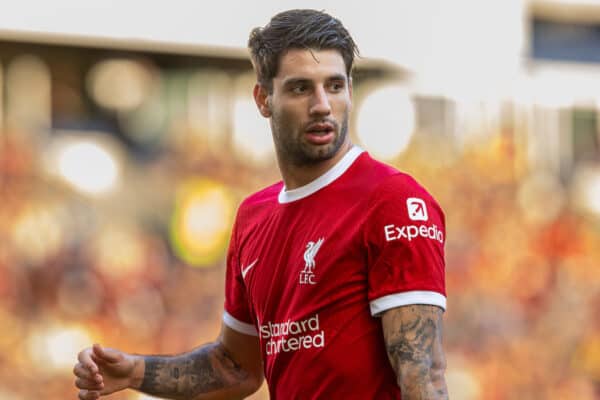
407,298
238,325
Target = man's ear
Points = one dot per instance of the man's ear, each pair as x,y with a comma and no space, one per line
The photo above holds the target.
261,97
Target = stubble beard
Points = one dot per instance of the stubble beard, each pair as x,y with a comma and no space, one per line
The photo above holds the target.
292,148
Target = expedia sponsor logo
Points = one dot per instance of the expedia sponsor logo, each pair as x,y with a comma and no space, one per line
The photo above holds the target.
284,337
410,232
417,210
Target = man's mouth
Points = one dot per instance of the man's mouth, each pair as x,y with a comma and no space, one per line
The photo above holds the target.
320,128
320,133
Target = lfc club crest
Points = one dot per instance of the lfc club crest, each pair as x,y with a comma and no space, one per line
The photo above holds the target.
307,275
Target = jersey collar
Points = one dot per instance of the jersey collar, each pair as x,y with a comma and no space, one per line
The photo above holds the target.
287,196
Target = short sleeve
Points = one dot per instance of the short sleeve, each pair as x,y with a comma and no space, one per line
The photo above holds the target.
237,314
404,234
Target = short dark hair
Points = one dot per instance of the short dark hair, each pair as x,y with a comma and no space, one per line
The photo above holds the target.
297,29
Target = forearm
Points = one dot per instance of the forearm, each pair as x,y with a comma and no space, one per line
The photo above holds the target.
413,336
208,372
421,382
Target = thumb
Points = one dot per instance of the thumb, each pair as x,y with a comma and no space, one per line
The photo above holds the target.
106,355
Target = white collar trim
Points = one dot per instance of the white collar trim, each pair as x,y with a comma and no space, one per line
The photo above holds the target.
287,196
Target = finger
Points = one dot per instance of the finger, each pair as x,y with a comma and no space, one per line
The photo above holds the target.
87,384
85,358
82,372
88,395
106,355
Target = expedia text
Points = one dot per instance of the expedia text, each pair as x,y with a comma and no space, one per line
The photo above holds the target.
409,232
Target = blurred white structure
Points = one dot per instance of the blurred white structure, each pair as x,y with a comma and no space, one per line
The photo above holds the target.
386,121
91,164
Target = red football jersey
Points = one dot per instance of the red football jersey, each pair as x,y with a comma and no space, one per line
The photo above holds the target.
310,269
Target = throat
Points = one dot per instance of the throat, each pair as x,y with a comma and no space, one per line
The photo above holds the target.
298,175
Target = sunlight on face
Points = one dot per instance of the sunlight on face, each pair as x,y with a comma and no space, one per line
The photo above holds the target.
309,106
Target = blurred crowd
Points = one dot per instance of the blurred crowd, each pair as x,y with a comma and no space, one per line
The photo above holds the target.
523,318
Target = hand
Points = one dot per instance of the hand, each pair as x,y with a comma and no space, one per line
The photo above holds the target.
102,371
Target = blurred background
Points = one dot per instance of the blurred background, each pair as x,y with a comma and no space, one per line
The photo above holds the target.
128,136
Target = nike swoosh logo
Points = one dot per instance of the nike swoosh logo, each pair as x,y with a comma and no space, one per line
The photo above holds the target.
245,270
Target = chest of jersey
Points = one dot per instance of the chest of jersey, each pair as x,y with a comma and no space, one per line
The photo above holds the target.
301,259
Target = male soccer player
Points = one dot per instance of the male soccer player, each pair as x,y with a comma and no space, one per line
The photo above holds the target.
335,276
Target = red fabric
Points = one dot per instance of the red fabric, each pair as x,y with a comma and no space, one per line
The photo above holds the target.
318,337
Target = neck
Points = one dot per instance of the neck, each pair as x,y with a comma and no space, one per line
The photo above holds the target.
295,176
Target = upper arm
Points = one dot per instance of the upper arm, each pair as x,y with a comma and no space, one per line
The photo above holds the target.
404,248
413,339
245,350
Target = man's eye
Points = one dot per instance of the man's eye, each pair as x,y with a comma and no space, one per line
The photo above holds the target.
337,86
299,89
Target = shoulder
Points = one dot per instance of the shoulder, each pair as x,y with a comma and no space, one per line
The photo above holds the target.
382,183
263,197
383,178
370,170
401,184
401,191
257,205
366,174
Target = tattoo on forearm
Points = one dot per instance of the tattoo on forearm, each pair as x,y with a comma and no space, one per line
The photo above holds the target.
415,350
414,342
206,369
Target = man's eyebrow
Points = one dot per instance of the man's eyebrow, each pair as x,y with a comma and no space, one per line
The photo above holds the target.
298,80
338,77
295,80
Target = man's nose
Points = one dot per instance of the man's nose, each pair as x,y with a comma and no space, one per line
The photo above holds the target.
320,102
